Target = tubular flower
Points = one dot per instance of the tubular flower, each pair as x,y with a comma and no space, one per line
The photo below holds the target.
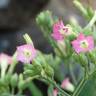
60,31
83,44
55,92
5,57
66,84
26,53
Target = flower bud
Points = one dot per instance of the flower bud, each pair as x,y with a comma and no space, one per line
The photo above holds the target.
32,70
14,80
49,71
91,56
55,92
45,18
5,60
21,83
80,58
67,85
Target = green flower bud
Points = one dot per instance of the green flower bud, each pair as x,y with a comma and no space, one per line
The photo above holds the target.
40,18
90,11
80,58
92,56
21,83
7,79
28,39
32,70
49,71
45,19
43,74
83,59
14,80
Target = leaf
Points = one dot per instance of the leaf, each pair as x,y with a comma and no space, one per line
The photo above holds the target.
90,86
8,94
34,90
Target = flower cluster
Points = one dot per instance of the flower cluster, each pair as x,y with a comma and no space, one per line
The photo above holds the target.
60,31
71,47
81,44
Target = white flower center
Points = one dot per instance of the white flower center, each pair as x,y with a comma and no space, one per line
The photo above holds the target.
84,44
27,53
63,31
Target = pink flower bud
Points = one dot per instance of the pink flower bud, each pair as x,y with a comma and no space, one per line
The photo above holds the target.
55,92
5,57
67,85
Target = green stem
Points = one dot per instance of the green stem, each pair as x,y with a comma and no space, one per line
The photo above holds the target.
20,92
13,90
3,73
31,78
81,8
59,88
91,23
82,83
79,88
12,66
46,34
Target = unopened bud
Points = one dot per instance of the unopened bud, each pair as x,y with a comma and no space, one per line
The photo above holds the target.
67,85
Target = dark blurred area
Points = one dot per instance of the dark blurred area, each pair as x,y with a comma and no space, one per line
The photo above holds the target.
18,17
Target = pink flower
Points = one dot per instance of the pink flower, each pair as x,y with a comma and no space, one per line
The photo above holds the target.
60,31
26,53
5,57
83,44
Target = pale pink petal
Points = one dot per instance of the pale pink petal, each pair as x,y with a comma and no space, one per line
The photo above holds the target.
91,42
6,57
56,30
55,92
76,46
77,43
60,31
67,85
57,36
22,49
81,36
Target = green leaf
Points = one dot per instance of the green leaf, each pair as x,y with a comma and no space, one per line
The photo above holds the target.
90,86
34,90
4,88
